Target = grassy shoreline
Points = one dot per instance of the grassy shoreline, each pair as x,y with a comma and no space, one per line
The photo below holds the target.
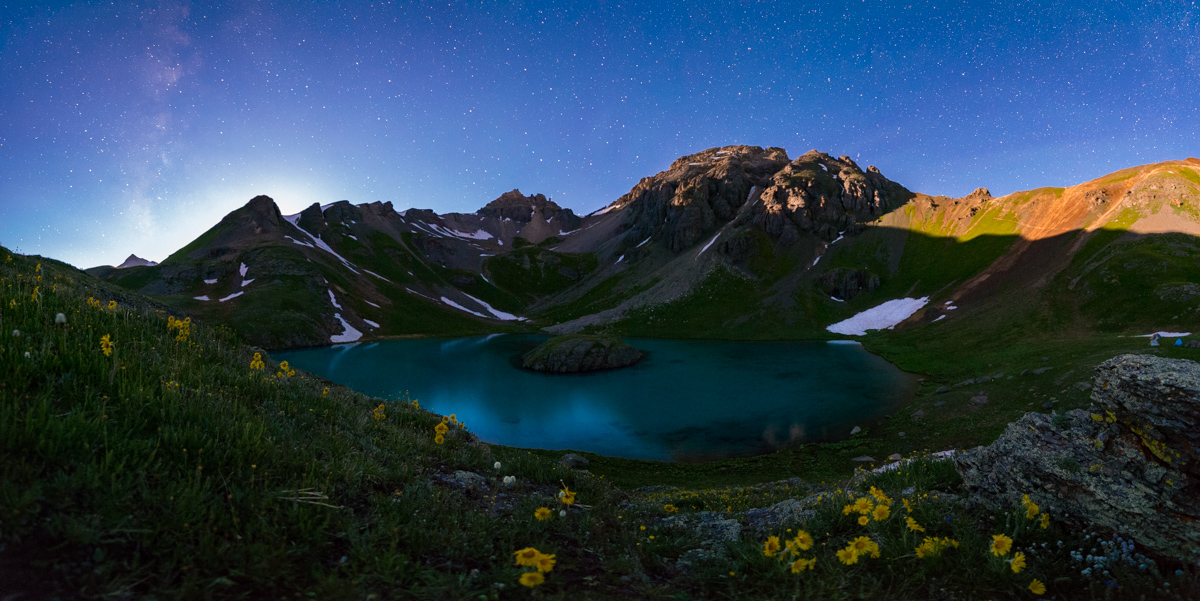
173,468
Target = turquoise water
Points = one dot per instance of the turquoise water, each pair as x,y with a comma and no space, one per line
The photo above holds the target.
686,401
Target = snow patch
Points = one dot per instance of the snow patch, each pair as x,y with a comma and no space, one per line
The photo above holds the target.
939,318
460,307
837,299
203,298
231,296
498,313
243,269
299,242
349,334
815,260
884,316
210,281
1165,335
333,299
371,303
376,275
619,259
939,456
476,235
611,207
352,236
835,240
710,243
951,307
293,219
371,323
643,242
322,245
244,282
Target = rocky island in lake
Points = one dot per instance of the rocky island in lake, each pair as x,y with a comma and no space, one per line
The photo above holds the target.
579,353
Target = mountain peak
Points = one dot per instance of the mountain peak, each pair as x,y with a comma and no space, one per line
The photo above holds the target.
136,261
518,207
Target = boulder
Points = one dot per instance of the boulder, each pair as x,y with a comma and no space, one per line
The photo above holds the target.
573,461
579,352
1130,463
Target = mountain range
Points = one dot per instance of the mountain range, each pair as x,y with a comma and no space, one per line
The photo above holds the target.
731,242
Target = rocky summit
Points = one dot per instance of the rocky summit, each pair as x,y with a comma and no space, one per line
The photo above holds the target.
1128,463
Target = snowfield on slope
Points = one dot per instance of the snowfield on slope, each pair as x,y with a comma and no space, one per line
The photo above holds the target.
879,317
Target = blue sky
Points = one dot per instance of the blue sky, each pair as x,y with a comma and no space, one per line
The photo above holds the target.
133,127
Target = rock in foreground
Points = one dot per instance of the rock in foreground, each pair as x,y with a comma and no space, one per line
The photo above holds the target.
579,353
1130,463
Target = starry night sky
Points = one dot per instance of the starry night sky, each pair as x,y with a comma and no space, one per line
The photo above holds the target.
133,127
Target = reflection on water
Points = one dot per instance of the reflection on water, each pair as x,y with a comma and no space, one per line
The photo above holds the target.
687,400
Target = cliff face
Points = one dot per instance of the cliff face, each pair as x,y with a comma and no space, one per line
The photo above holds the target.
818,193
1127,463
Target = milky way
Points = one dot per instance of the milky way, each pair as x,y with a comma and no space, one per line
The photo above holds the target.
133,127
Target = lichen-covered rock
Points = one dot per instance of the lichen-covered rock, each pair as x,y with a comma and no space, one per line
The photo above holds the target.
1129,463
578,353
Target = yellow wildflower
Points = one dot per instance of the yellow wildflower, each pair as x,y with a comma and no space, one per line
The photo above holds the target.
863,545
1036,587
847,556
415,404
1018,562
913,525
453,418
106,345
881,512
445,419
669,508
441,428
907,505
378,413
545,563
532,579
34,296
257,362
325,392
771,547
803,540
566,496
527,556
848,509
802,564
1045,521
1031,508
863,520
439,439
543,513
863,505
1001,544
880,497
112,305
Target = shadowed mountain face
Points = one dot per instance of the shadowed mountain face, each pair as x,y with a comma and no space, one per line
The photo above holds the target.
731,242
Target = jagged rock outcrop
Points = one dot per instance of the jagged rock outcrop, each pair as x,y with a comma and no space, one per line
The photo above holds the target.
579,353
1130,463
820,194
699,193
523,209
845,284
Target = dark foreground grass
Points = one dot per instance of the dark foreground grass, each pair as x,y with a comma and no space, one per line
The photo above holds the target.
172,469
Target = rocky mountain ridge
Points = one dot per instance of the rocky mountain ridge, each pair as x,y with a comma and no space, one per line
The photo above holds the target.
753,242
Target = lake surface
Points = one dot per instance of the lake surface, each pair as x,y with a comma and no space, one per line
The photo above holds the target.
686,401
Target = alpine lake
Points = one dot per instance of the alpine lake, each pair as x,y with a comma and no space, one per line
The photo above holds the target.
687,400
